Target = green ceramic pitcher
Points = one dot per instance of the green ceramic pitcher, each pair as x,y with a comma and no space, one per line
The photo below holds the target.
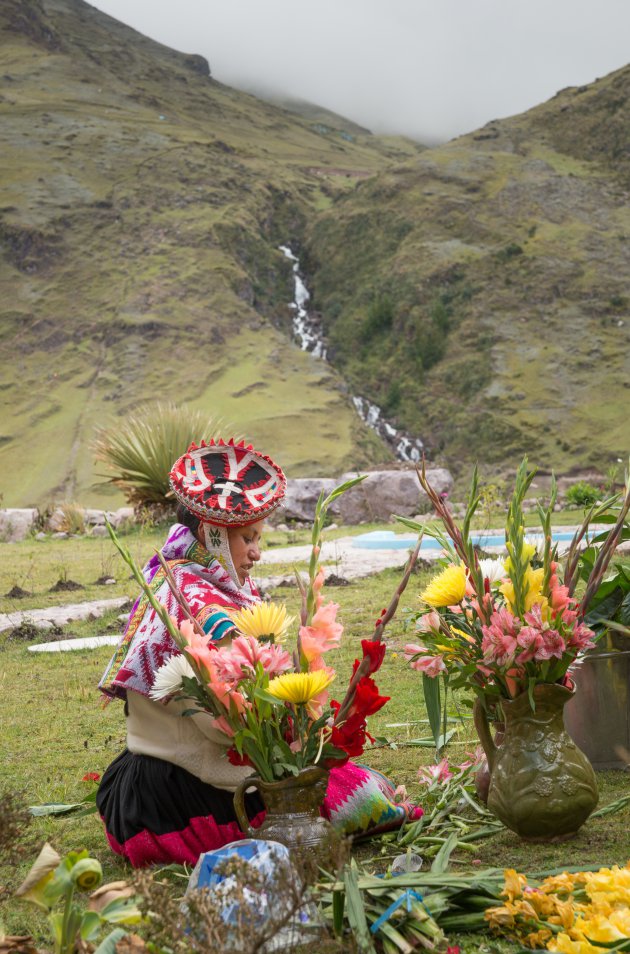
541,785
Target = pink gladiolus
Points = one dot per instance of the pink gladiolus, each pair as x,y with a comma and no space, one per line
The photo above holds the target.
429,623
318,583
323,634
224,691
560,598
431,666
435,773
222,724
239,660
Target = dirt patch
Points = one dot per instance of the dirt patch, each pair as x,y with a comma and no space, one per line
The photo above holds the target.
17,593
65,586
28,632
334,580
104,581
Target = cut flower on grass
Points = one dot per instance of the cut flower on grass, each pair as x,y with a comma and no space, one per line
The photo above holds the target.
570,913
272,705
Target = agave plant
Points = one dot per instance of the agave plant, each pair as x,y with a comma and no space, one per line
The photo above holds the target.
142,449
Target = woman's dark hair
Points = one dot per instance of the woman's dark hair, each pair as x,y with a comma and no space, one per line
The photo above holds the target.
188,518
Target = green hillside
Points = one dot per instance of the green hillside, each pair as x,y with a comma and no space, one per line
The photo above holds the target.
141,208
487,285
478,291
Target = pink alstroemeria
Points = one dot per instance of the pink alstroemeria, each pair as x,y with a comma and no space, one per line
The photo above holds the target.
224,691
429,622
530,640
323,634
552,645
499,638
435,773
581,637
413,649
239,660
431,666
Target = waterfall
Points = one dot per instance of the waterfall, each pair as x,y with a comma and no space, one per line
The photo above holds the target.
308,334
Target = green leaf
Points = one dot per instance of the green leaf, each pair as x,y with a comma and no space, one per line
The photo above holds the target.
108,946
356,911
338,904
90,925
121,911
440,863
431,690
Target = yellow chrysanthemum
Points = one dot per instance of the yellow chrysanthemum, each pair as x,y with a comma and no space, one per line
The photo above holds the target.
533,580
300,687
446,589
267,621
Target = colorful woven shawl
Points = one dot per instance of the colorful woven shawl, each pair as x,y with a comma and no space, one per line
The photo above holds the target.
209,590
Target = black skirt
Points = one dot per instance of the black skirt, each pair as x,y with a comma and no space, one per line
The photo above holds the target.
158,813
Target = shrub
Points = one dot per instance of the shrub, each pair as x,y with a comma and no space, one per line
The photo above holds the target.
70,518
142,450
582,494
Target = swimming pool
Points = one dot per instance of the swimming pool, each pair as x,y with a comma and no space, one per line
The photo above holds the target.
388,540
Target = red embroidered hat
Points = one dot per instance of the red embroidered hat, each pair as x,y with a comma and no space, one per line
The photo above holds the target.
227,484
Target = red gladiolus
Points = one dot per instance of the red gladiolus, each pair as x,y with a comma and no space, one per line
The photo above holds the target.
367,700
91,777
235,759
375,651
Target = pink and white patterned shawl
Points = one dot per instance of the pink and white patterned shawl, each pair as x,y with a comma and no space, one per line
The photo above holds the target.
209,589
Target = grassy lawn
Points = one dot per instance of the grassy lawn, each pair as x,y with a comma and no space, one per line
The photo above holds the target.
55,729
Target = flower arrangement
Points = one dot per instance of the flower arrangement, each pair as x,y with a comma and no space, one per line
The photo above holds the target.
501,627
572,913
273,704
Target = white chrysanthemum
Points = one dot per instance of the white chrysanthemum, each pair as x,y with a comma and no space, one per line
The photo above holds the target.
492,570
168,678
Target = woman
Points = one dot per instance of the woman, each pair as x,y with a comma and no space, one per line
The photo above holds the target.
168,796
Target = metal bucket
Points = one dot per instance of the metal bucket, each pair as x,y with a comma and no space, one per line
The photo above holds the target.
598,716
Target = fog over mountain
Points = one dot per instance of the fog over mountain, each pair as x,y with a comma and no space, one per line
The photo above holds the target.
428,69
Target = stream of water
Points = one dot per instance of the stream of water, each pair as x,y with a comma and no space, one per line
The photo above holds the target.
308,333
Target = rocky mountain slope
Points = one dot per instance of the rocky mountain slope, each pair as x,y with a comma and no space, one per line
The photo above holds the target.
487,285
141,208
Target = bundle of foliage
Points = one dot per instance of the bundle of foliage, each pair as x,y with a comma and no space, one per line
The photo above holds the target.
501,627
142,449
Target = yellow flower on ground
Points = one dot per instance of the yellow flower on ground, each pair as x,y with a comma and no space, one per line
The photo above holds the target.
266,621
514,884
300,687
446,589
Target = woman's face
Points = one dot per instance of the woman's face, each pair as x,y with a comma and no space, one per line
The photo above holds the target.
245,547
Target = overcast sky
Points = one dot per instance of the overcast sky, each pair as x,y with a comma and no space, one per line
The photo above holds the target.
430,69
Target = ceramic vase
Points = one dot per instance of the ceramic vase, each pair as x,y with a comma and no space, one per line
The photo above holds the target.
292,809
541,785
